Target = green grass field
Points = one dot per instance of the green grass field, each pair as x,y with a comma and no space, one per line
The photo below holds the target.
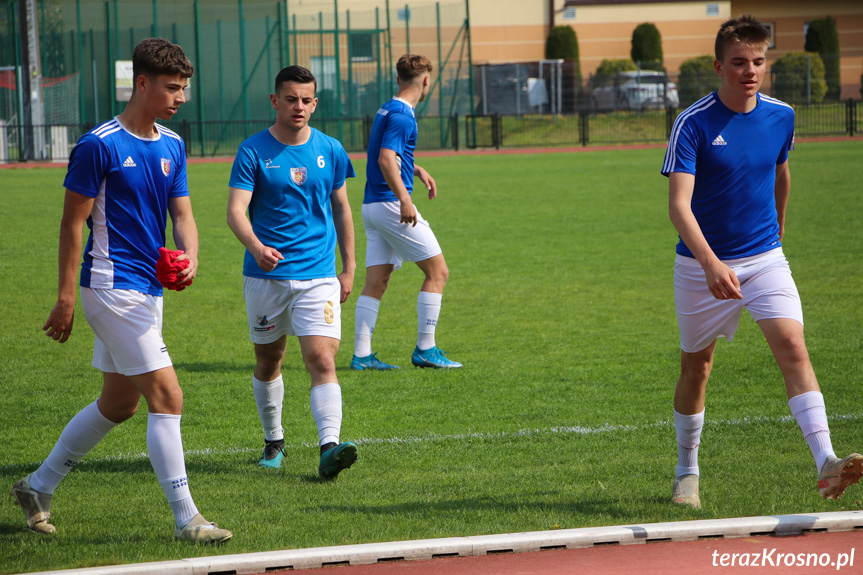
559,305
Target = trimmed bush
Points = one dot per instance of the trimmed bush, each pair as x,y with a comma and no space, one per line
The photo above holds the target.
647,46
608,68
697,78
823,38
562,43
789,78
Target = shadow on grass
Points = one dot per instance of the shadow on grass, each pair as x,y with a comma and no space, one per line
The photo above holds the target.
214,367
604,507
291,365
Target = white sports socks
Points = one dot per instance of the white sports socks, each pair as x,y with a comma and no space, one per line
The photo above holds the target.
165,448
326,403
811,415
428,311
80,435
269,396
366,317
688,429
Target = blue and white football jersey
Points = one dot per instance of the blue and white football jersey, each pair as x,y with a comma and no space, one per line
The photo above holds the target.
394,128
734,157
290,208
131,179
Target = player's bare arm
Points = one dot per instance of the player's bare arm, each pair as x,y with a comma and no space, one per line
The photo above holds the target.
389,164
781,191
344,224
185,232
721,279
427,180
266,257
76,210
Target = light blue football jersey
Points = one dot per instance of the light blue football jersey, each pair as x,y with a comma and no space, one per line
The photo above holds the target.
290,208
394,128
734,157
131,179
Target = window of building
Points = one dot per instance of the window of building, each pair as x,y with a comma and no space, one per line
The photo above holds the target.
769,26
404,14
362,46
569,13
713,9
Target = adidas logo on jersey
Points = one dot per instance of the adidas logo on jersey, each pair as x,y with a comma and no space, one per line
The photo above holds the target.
720,141
130,163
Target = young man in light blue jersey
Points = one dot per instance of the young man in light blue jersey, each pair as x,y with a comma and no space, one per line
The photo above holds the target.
124,178
730,214
292,180
395,230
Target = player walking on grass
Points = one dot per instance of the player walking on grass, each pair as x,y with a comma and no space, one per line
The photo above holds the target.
395,230
123,178
292,180
727,164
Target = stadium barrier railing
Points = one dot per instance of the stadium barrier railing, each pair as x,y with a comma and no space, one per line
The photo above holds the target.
54,142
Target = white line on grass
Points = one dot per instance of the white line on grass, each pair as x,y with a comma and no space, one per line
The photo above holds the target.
437,437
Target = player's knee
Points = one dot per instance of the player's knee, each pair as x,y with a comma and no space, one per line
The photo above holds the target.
792,351
320,363
381,285
129,410
167,399
438,275
118,411
695,370
268,362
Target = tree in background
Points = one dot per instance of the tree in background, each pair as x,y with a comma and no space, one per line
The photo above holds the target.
647,46
562,44
697,78
822,37
790,78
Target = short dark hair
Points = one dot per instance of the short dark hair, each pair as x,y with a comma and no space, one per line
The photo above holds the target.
410,66
156,57
296,74
746,30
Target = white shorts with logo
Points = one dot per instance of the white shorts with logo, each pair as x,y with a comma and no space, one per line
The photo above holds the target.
292,307
388,241
768,292
128,328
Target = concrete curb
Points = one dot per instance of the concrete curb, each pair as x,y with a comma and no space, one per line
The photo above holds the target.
369,553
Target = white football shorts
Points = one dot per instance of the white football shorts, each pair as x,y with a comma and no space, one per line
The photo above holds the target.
292,307
768,292
388,241
128,328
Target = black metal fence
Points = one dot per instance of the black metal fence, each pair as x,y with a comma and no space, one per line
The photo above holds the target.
208,139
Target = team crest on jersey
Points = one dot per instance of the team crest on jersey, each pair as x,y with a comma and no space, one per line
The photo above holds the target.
166,167
298,175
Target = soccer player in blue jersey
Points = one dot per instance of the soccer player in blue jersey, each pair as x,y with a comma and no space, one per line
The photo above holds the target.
729,182
124,178
395,230
292,180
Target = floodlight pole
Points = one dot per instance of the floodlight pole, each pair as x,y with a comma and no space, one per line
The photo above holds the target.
33,111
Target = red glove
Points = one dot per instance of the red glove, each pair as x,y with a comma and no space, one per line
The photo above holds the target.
167,268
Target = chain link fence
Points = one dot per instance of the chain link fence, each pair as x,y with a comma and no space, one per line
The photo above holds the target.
238,47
